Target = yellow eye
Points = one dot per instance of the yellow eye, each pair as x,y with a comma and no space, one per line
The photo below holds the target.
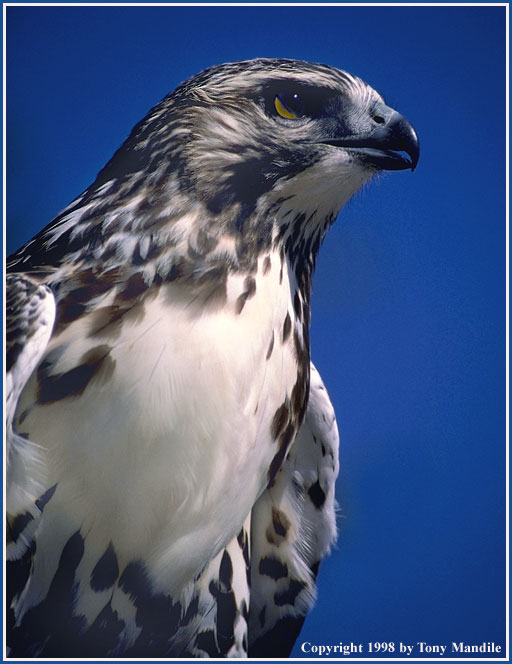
282,110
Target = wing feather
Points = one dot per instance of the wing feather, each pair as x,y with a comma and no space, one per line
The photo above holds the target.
30,315
293,527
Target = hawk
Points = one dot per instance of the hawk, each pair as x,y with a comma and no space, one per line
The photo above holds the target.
172,451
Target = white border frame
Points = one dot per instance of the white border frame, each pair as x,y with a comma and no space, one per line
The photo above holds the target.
279,4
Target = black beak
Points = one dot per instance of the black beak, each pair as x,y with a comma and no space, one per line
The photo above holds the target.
383,148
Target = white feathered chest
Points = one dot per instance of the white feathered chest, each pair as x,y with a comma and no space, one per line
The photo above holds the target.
175,429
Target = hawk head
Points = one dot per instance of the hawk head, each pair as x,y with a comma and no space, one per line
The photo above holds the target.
237,132
240,158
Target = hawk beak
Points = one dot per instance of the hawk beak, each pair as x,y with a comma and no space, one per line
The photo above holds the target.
385,146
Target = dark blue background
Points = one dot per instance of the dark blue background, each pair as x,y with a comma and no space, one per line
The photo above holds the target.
409,295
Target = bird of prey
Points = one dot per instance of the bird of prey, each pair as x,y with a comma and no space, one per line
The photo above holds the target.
172,451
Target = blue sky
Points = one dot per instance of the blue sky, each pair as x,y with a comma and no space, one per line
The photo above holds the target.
409,295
